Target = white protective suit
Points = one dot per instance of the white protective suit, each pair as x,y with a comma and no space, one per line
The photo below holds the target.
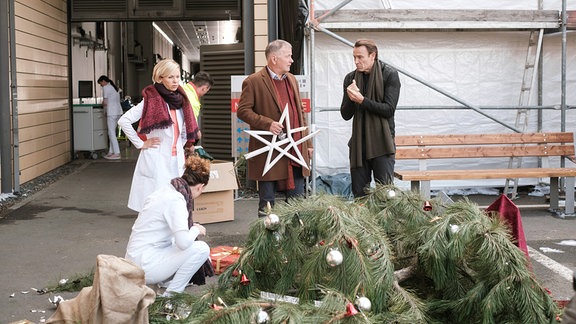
162,244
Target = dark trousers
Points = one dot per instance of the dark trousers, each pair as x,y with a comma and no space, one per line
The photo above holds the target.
267,191
383,169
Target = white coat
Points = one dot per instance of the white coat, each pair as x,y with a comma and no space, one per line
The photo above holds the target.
161,242
155,166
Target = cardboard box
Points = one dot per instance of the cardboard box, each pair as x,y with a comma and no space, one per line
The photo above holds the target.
222,177
216,203
214,207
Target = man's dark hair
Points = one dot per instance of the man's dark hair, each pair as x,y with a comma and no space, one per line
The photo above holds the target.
202,78
369,44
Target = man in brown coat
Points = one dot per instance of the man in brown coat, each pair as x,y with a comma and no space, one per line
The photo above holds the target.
265,94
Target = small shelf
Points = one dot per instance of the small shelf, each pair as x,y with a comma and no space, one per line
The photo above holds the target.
96,45
136,59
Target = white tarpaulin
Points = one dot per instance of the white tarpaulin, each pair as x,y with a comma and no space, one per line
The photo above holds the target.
445,4
483,68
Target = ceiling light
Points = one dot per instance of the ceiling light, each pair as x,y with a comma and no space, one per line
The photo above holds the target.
162,33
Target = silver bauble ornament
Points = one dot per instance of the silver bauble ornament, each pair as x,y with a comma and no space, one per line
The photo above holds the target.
272,222
334,258
391,194
262,317
454,228
364,304
277,238
56,301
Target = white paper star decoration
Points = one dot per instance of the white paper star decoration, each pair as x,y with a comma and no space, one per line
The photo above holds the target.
276,144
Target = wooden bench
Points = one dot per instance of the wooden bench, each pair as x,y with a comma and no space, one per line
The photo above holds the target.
482,146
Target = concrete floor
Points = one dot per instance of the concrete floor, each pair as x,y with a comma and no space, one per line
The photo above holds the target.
59,231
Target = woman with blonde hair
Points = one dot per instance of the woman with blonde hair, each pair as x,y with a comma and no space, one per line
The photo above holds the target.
166,125
163,239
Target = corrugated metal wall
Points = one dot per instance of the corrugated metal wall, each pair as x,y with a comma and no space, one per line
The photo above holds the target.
132,10
221,61
42,76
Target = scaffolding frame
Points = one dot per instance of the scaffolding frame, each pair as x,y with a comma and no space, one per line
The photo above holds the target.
395,19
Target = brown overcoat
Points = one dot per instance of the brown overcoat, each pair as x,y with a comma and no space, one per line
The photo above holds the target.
259,107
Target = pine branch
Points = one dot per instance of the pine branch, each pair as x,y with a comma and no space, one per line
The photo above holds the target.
452,263
405,273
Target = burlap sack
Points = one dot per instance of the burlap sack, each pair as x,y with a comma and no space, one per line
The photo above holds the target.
119,295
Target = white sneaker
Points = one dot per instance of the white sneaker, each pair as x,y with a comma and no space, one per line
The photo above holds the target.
167,294
163,284
114,156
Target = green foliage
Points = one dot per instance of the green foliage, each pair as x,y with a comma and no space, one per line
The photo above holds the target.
451,264
74,283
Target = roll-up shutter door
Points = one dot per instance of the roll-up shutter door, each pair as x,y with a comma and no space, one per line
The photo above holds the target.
221,61
137,10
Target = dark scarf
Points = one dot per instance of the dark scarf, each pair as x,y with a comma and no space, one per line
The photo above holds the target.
184,188
155,115
207,269
367,125
173,98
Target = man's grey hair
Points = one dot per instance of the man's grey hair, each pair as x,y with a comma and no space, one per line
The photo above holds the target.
275,46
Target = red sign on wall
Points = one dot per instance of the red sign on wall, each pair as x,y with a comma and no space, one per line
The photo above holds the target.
234,104
306,105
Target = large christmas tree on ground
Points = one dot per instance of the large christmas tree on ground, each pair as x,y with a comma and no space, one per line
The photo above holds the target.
391,257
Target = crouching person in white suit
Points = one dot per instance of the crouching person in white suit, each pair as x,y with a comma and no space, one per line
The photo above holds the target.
163,239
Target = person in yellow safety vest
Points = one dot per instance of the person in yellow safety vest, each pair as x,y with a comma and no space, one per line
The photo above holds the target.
196,88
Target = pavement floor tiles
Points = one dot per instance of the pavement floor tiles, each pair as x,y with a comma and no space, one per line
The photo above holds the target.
57,232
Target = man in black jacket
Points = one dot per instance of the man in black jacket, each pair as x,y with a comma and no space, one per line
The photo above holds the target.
370,96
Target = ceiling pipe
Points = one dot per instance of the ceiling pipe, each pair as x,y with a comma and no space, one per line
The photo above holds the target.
14,89
272,20
248,35
5,142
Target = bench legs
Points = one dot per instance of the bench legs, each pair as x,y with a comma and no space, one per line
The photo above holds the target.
569,195
423,187
554,199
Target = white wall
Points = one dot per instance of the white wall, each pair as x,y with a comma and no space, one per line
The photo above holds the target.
87,64
484,68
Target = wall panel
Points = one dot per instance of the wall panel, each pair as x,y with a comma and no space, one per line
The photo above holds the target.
42,78
39,55
44,15
41,43
33,28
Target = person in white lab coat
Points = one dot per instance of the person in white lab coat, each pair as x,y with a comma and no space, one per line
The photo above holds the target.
167,125
113,111
163,239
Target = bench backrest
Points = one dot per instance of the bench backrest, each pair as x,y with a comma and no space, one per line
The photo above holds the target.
484,145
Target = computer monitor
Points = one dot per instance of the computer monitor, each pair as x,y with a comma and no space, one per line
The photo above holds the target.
85,89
